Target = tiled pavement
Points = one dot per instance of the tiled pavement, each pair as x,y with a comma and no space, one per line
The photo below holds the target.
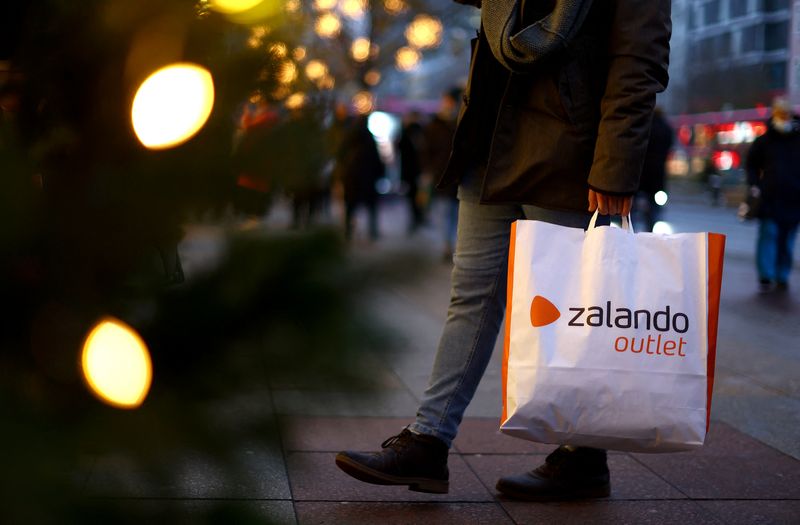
733,479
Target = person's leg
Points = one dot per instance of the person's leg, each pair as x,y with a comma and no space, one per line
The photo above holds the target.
477,305
787,233
372,208
767,251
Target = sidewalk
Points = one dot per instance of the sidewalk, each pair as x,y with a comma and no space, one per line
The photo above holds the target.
291,477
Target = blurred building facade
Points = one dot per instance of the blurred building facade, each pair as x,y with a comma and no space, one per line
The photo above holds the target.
732,54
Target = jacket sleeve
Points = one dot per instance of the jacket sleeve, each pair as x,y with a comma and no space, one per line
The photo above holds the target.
638,60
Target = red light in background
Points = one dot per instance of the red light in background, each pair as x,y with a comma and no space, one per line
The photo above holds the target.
725,160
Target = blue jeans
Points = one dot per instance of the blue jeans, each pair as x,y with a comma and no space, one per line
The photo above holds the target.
477,307
774,250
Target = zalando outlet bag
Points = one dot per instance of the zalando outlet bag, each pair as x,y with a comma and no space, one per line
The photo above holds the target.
610,336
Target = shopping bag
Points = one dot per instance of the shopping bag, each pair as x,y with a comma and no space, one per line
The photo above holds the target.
610,336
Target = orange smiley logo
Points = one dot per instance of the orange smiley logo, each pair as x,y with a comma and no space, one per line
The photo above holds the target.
543,312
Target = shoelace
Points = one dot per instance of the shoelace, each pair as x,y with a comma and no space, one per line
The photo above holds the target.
400,439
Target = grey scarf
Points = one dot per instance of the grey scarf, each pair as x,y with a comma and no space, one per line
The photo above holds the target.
520,48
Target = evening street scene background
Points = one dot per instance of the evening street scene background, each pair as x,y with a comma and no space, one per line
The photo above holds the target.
201,307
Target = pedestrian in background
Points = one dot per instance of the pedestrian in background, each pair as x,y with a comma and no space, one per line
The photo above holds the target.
551,118
436,152
654,172
409,147
358,168
773,173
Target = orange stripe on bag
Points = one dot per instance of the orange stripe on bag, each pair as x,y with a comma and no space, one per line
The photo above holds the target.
716,249
509,295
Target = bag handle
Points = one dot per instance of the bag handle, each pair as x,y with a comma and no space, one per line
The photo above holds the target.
627,223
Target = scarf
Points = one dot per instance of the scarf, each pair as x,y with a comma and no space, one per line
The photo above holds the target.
519,49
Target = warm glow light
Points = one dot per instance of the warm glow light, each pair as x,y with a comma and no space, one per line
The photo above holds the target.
324,5
292,6
360,49
299,53
254,42
116,364
287,72
353,8
661,197
326,82
260,31
328,25
278,49
663,228
316,69
281,92
407,58
295,101
424,32
372,78
395,7
234,6
172,105
363,102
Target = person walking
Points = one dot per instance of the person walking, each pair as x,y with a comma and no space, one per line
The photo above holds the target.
773,173
410,146
436,153
556,113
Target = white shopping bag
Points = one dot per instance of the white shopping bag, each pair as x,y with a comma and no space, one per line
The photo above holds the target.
610,336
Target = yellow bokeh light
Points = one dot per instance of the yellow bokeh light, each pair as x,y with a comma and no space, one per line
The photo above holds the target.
328,25
353,8
292,6
363,102
316,69
172,105
395,7
234,6
287,72
116,364
424,32
295,101
299,53
372,78
324,5
326,82
260,31
360,49
407,58
278,49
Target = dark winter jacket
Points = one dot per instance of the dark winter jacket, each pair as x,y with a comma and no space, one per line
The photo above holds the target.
580,120
358,164
773,164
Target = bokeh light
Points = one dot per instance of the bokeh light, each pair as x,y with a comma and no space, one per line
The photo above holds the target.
373,77
363,102
172,105
395,7
316,69
287,72
407,58
661,197
295,101
324,5
326,82
116,364
234,6
278,49
299,53
664,228
360,49
424,32
328,25
292,6
353,8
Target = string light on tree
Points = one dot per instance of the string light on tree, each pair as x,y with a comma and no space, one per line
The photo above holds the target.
172,105
316,69
353,8
395,7
424,32
360,49
287,72
299,53
373,77
278,49
295,101
324,5
407,58
326,82
292,6
363,102
328,25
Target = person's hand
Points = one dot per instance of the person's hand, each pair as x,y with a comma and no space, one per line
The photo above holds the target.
610,204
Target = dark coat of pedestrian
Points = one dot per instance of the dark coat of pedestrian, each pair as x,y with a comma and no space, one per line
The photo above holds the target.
654,171
410,147
773,172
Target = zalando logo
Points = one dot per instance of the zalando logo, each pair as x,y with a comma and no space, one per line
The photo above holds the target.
543,312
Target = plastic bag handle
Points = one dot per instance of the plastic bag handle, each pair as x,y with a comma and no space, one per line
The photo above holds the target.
627,223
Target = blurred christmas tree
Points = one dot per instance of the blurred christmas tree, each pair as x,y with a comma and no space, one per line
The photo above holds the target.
92,207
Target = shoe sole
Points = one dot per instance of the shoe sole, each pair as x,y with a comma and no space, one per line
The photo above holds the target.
368,475
582,493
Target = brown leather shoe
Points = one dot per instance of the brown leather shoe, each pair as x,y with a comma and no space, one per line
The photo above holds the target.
567,473
416,460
